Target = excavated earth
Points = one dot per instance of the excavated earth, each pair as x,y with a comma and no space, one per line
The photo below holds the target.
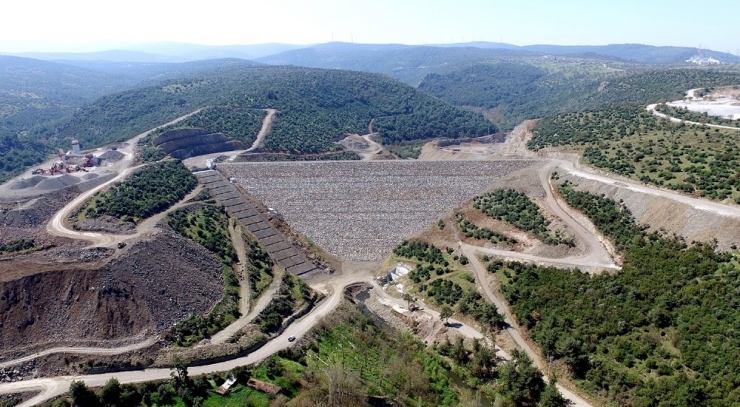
141,292
668,215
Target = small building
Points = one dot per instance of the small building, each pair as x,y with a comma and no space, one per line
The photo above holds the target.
264,387
224,388
75,147
397,272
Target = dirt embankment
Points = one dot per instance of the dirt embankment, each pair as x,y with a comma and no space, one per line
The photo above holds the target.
673,217
143,292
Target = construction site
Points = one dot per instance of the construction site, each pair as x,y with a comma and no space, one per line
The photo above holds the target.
112,300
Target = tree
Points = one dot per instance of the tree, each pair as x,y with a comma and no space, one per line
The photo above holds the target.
111,393
445,313
82,395
180,367
551,397
521,381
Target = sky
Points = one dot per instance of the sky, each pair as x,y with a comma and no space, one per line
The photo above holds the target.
91,25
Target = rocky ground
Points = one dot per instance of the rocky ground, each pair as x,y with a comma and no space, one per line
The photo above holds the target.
155,284
360,210
105,224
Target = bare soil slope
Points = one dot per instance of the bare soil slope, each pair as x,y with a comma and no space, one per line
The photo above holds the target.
671,216
157,283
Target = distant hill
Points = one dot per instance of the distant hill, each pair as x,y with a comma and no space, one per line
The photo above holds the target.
33,91
111,56
512,92
407,63
196,52
637,52
167,52
155,71
36,96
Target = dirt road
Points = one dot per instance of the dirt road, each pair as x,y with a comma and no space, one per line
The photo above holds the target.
260,141
52,387
651,109
82,350
247,318
701,204
513,329
56,225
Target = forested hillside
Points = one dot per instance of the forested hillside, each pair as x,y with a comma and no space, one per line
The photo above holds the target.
632,142
661,332
520,91
36,98
315,107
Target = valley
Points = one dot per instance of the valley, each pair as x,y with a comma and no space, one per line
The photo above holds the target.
246,216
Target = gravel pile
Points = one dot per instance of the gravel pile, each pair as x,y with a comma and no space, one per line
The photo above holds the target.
24,183
55,183
111,155
361,210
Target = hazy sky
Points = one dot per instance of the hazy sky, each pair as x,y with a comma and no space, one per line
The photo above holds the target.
57,25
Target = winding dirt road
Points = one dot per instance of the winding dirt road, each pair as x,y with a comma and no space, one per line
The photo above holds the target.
651,109
52,387
513,329
56,225
82,350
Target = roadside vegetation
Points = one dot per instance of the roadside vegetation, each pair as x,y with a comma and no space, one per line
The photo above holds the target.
17,245
236,123
632,142
207,224
147,192
686,114
293,294
660,332
260,269
438,279
517,209
346,360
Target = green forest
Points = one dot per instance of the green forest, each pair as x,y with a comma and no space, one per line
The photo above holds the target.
660,332
146,192
543,89
517,209
315,107
630,141
239,124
